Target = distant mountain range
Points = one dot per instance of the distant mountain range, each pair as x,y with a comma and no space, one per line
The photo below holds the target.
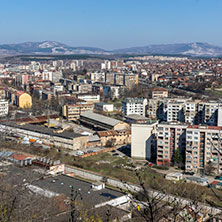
56,48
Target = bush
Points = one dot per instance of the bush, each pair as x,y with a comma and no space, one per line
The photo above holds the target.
161,167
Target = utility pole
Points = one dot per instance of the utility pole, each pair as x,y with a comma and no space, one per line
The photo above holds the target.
73,196
72,205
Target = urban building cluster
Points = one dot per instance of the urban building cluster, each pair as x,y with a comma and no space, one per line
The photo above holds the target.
96,95
157,108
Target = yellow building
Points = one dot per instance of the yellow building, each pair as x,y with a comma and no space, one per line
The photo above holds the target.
23,100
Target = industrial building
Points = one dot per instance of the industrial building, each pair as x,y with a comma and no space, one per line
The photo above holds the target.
48,136
101,122
92,195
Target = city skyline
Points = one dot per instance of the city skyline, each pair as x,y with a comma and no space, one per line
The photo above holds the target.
111,25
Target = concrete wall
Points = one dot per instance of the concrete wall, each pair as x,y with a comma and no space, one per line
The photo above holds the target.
141,140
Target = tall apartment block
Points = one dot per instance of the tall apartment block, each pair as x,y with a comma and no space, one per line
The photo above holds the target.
152,108
175,111
203,146
128,79
134,106
170,137
186,110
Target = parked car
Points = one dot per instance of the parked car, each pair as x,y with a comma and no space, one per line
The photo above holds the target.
218,178
79,153
148,164
90,151
115,154
188,173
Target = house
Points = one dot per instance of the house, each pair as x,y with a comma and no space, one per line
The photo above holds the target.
159,93
20,159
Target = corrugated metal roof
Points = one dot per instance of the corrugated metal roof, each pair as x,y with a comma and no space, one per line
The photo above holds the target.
43,130
5,154
100,118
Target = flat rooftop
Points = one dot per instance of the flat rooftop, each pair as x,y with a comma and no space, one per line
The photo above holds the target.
43,130
62,185
99,118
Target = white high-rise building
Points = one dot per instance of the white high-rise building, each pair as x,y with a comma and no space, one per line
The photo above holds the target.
3,108
134,106
106,65
175,111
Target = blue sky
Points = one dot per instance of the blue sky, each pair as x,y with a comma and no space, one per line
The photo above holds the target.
111,24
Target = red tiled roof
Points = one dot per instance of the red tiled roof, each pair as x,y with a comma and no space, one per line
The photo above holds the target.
19,156
215,182
205,127
159,89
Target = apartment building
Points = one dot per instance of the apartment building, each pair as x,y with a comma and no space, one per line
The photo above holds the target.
97,76
19,98
210,112
191,112
143,141
134,106
112,92
154,108
175,111
131,80
128,79
170,137
110,78
203,145
3,108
